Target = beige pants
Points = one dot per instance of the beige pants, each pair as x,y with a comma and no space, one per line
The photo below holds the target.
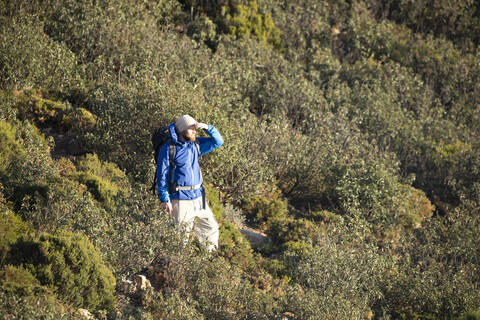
190,216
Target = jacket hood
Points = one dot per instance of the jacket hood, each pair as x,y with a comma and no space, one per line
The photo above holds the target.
173,133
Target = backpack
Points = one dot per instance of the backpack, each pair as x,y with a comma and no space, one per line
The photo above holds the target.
161,136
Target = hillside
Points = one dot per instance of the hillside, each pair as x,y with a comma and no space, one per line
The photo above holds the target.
352,145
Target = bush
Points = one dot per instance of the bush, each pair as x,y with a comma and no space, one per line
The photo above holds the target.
23,297
18,280
28,160
70,265
132,233
29,58
436,268
324,216
247,20
373,191
336,280
104,180
235,247
473,315
10,229
10,147
234,215
262,210
290,231
45,109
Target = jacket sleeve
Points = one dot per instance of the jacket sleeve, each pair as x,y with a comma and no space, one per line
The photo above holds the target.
162,172
212,143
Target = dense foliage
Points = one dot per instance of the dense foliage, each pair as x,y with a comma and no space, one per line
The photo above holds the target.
352,141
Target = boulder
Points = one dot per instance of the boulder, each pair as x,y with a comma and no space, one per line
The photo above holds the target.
256,238
141,282
74,148
84,313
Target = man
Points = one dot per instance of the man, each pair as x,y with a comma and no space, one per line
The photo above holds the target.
185,200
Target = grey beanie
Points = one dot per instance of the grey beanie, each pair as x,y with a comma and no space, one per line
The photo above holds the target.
184,122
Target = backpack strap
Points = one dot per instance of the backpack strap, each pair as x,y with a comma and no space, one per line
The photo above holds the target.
197,144
202,186
171,155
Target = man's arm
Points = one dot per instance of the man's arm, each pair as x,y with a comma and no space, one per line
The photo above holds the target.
212,143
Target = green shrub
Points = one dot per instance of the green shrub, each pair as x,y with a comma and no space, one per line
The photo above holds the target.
261,209
221,292
335,280
103,179
30,166
173,307
247,20
29,58
70,266
306,25
374,192
23,297
233,215
203,29
10,229
442,18
235,247
435,272
46,109
132,233
324,216
18,280
289,230
473,315
448,155
213,200
10,148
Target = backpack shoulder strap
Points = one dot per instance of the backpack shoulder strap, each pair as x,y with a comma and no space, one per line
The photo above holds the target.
171,151
197,144
171,155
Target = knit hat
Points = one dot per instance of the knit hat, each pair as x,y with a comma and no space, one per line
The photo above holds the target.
184,122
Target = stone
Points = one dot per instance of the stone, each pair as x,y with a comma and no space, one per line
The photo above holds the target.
85,313
74,148
141,282
126,286
256,239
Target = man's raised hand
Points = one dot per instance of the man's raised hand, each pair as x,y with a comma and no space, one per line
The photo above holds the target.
200,125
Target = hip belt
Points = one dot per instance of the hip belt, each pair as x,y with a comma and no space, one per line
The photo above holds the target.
198,186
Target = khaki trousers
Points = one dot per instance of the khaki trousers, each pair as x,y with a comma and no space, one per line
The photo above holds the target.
191,217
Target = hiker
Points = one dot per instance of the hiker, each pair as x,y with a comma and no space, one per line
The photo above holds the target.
184,199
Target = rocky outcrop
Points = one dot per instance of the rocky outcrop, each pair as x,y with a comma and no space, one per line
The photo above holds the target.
85,314
256,238
66,145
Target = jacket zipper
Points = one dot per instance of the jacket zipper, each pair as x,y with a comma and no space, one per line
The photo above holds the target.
191,161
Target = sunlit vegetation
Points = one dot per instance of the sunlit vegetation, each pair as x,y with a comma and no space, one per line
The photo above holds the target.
352,145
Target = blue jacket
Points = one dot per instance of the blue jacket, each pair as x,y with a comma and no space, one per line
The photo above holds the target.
187,172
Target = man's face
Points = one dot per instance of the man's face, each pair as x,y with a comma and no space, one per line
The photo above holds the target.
189,134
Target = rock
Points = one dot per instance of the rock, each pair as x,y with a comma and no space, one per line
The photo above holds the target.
74,148
47,131
141,282
126,286
85,313
256,239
